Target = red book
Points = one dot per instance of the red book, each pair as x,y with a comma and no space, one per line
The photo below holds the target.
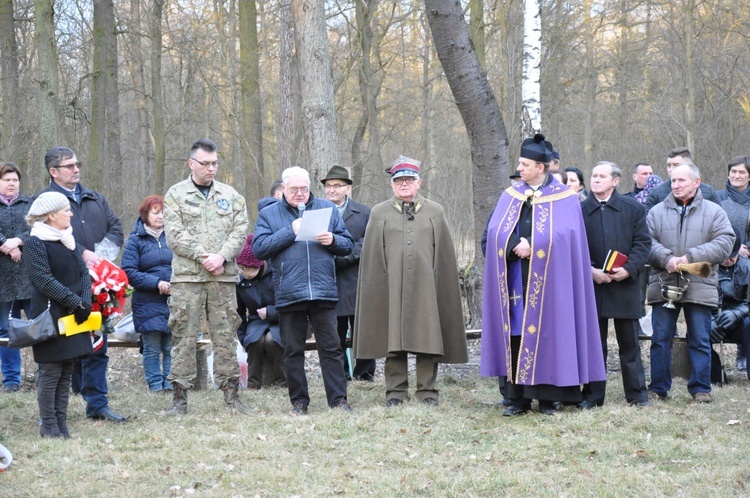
614,259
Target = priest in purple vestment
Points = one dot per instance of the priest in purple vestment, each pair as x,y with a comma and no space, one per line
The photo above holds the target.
540,329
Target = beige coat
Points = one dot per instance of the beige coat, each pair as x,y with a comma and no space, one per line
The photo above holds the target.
408,296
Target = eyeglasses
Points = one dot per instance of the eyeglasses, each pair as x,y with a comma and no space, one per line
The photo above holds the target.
336,186
298,190
207,164
69,167
404,180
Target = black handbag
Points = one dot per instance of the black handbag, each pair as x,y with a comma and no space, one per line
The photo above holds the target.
25,333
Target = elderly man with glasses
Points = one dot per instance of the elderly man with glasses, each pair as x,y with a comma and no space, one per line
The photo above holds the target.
338,187
408,297
304,277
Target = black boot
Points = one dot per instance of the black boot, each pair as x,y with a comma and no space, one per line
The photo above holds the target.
62,397
46,390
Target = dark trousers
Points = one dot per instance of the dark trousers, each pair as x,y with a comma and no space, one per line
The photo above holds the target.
90,379
363,369
258,353
293,325
740,335
53,391
631,365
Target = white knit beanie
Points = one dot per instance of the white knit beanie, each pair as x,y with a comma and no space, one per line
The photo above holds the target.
48,202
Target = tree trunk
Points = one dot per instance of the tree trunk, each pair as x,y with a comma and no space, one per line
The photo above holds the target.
589,87
104,154
476,28
531,87
690,69
46,79
252,118
427,114
157,98
144,173
369,89
221,85
12,142
96,170
316,82
286,104
484,124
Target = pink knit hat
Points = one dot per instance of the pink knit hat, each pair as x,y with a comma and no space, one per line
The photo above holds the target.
246,257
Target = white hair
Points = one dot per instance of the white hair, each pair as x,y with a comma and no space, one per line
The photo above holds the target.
294,171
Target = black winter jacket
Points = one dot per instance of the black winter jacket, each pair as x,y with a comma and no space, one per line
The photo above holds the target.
302,271
93,219
14,283
251,296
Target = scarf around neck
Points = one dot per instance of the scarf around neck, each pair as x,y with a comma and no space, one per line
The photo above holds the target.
8,200
738,196
48,233
154,232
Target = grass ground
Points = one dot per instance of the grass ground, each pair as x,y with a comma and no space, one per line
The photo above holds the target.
463,447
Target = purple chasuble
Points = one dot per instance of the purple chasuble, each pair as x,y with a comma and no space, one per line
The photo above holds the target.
557,320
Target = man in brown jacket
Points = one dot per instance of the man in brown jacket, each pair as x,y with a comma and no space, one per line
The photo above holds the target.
408,298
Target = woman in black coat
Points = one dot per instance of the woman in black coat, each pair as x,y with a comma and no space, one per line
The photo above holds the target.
259,330
15,288
60,281
148,263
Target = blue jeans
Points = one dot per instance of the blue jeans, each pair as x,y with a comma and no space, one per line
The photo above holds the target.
664,321
94,380
10,358
156,344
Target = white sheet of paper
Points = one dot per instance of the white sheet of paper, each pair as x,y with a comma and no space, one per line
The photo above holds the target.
314,222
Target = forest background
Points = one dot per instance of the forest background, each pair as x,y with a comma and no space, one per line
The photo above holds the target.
130,85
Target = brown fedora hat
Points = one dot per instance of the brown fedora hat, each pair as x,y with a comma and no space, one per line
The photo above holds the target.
337,173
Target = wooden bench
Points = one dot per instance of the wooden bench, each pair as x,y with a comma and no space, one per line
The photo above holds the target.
201,357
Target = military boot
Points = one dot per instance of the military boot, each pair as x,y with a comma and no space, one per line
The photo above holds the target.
179,401
232,398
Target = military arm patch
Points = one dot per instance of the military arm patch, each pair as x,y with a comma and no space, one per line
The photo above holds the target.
222,204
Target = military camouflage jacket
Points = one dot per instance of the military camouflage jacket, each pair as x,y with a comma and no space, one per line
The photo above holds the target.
195,225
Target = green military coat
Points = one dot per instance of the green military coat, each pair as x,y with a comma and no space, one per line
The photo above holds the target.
408,296
194,225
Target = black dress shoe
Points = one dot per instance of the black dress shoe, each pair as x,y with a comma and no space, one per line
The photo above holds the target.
588,404
514,410
298,409
108,414
393,402
430,402
549,408
505,403
640,402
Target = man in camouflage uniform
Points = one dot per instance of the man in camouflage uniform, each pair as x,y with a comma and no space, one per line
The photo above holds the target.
206,224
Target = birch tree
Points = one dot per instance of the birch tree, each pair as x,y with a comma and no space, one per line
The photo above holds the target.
532,60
